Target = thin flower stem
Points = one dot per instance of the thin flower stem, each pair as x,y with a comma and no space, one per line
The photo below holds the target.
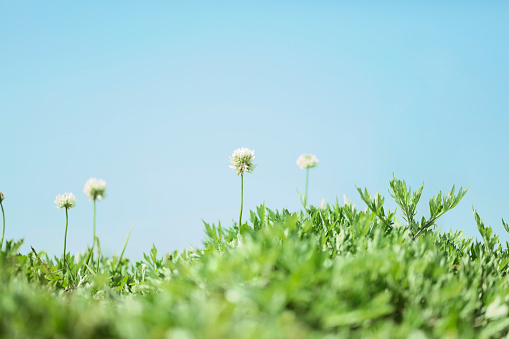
241,198
306,193
65,237
3,229
93,243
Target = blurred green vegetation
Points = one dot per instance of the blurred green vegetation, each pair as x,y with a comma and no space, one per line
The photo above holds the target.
332,271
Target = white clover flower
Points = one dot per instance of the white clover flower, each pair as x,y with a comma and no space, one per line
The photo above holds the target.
307,161
242,160
67,200
2,196
95,189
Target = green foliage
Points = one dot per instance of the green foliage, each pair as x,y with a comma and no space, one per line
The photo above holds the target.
407,201
377,206
332,271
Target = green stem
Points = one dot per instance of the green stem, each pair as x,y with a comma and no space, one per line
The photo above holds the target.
241,198
65,237
428,224
93,242
306,193
3,229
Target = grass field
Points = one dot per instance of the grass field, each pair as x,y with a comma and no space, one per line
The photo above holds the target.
328,271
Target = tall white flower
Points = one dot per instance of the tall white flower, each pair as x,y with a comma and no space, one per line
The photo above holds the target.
95,189
242,160
67,200
307,161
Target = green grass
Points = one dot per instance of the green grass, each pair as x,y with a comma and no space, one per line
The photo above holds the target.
321,272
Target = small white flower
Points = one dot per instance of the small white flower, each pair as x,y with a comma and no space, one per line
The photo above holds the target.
307,161
242,160
2,196
95,189
67,200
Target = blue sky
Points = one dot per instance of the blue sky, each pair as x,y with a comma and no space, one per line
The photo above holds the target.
153,97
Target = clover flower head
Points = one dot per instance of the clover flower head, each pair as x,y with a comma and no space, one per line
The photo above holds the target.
67,200
242,160
2,196
95,189
307,161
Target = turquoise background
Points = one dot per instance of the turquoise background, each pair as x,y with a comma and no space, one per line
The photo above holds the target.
153,97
